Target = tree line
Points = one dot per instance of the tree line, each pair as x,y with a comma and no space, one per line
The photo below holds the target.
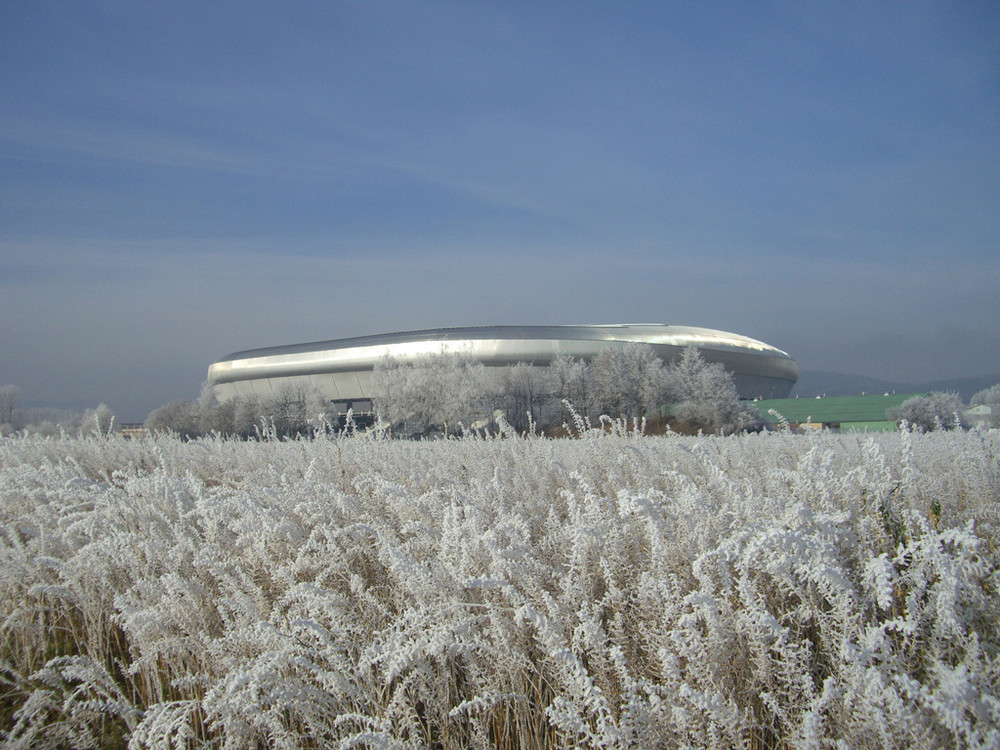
50,421
448,393
940,410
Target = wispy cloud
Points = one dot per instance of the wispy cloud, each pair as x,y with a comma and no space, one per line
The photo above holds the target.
179,182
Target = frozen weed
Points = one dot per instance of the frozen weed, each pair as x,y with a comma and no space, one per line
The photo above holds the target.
760,591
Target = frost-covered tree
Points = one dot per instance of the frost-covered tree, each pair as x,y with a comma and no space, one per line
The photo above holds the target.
50,421
215,416
629,382
99,420
295,410
458,391
247,417
704,395
605,371
395,394
438,390
989,397
181,417
388,390
571,382
936,410
9,397
523,390
9,416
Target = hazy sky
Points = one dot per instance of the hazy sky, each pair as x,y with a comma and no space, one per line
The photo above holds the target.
179,180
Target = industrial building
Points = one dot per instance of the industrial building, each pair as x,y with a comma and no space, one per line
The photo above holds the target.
341,370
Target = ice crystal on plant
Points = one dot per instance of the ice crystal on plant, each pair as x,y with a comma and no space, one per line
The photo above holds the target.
616,591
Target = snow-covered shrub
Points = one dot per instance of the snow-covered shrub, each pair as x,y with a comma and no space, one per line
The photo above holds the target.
622,591
933,411
703,395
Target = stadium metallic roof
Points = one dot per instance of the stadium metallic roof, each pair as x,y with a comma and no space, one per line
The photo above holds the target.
751,361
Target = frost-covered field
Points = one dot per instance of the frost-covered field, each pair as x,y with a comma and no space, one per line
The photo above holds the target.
769,591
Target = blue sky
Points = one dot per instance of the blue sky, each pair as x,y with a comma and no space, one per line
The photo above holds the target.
183,180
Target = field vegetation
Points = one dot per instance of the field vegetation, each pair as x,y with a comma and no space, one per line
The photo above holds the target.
612,591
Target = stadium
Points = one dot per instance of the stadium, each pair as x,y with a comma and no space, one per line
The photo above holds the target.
341,370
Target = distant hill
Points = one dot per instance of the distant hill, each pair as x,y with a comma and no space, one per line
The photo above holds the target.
822,383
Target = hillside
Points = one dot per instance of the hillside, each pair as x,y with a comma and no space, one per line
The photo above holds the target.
813,383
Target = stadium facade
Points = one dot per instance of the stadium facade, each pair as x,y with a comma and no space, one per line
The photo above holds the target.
341,370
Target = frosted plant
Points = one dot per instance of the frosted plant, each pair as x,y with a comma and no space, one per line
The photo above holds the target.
77,703
933,411
764,591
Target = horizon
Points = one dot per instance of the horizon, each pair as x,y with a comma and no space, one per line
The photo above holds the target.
178,182
848,384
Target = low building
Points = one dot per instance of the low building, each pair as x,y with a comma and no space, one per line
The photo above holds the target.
134,431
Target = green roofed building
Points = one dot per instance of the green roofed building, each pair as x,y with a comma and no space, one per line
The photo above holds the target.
870,413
